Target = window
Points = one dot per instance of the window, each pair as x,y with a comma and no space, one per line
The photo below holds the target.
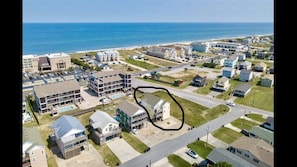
246,155
255,160
238,151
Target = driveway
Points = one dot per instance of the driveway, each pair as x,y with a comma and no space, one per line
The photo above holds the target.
122,149
151,135
90,158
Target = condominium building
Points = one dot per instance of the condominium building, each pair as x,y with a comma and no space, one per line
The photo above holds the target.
50,95
46,63
30,63
109,82
108,55
33,148
70,136
162,52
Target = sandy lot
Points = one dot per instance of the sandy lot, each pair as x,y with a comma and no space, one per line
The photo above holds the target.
152,135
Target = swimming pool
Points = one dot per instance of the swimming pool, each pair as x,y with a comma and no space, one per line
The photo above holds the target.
116,96
64,109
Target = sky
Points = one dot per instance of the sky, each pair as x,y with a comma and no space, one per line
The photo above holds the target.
79,11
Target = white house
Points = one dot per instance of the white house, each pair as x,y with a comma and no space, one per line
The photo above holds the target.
158,108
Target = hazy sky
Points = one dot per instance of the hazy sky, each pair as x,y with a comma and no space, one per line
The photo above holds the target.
148,11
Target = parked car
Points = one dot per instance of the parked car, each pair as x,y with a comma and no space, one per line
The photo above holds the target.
134,131
192,153
230,103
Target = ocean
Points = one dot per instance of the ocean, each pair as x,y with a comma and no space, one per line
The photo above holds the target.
44,38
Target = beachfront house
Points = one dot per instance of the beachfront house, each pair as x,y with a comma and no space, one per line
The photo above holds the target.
70,136
245,65
50,96
33,148
230,62
200,46
228,72
267,80
260,67
103,127
157,108
246,75
110,82
221,84
241,90
253,150
199,80
130,115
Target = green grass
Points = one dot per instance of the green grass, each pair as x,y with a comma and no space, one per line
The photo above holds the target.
137,144
259,97
206,89
194,114
243,124
109,158
141,64
177,161
201,148
161,62
257,117
227,135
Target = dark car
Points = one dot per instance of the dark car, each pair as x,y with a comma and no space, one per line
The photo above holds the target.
245,132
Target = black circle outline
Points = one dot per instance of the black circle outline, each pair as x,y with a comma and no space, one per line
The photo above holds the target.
165,129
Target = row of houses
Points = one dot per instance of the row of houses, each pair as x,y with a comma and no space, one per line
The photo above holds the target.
254,149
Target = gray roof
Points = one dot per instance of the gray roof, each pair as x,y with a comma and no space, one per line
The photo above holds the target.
101,119
32,135
248,72
150,99
243,87
107,73
56,87
270,120
221,154
66,123
263,133
129,108
258,147
223,80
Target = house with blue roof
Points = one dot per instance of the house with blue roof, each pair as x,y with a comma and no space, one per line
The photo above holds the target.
70,136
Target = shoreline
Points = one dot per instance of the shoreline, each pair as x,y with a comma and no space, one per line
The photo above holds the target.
164,44
158,44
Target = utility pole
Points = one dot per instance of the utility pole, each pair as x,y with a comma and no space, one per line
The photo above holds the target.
207,130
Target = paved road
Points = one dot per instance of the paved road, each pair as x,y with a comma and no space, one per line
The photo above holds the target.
169,146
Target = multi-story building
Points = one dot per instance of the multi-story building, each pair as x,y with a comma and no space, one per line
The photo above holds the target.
48,96
104,127
109,82
30,63
130,115
162,52
108,55
157,108
70,136
199,80
230,62
200,46
33,148
246,75
229,46
46,63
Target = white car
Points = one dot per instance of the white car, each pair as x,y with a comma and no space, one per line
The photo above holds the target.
230,103
134,131
192,153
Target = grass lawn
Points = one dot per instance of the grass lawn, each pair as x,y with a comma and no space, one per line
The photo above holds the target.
124,68
141,64
207,88
259,97
134,142
243,124
257,117
160,62
177,161
227,135
201,148
194,114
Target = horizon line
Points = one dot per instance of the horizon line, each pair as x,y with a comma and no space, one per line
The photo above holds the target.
139,22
